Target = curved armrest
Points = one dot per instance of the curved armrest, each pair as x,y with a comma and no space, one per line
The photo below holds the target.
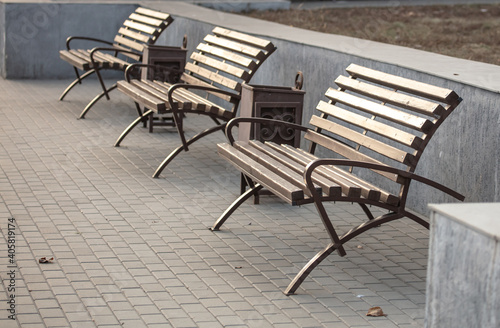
237,120
344,162
71,38
173,87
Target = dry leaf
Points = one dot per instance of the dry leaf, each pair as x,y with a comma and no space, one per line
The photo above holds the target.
45,260
376,312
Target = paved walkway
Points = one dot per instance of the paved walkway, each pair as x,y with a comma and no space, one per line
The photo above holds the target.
133,251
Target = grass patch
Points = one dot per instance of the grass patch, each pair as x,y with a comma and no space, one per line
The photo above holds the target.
464,31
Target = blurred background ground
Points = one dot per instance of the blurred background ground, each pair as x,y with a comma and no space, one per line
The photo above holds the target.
464,31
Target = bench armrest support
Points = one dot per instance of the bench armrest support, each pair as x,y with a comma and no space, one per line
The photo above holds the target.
237,120
407,175
71,38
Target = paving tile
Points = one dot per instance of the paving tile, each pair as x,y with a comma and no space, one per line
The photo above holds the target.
133,251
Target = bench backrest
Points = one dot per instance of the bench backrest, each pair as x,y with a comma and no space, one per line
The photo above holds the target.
142,27
225,59
380,118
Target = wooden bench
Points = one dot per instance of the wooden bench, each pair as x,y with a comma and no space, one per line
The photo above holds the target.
141,28
222,62
378,126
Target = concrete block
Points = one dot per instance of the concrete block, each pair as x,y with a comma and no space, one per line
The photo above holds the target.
35,32
463,280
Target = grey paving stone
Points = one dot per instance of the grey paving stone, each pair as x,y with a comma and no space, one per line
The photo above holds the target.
135,251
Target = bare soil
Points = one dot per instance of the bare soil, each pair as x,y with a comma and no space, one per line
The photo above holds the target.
464,31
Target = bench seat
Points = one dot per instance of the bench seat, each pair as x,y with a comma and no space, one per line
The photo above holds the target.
280,168
210,85
375,125
141,28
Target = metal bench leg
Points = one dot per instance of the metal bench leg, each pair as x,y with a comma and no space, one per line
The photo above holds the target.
96,99
75,82
313,263
101,81
240,200
417,219
367,211
131,126
177,150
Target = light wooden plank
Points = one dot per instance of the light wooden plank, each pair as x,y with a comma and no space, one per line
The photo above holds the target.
224,67
154,13
193,80
134,35
279,186
129,43
417,88
141,97
389,113
147,20
348,188
274,166
245,38
227,55
371,125
363,140
140,27
365,186
346,151
329,187
235,46
393,97
213,76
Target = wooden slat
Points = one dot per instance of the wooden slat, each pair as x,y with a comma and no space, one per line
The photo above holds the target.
213,76
348,188
363,140
85,54
279,186
140,27
245,38
389,113
329,187
274,166
393,97
367,187
417,88
235,46
368,124
346,151
74,60
129,43
224,67
144,98
132,56
193,80
134,35
154,13
147,20
111,61
187,100
227,55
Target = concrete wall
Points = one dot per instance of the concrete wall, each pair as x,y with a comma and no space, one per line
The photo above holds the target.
464,154
464,237
35,32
